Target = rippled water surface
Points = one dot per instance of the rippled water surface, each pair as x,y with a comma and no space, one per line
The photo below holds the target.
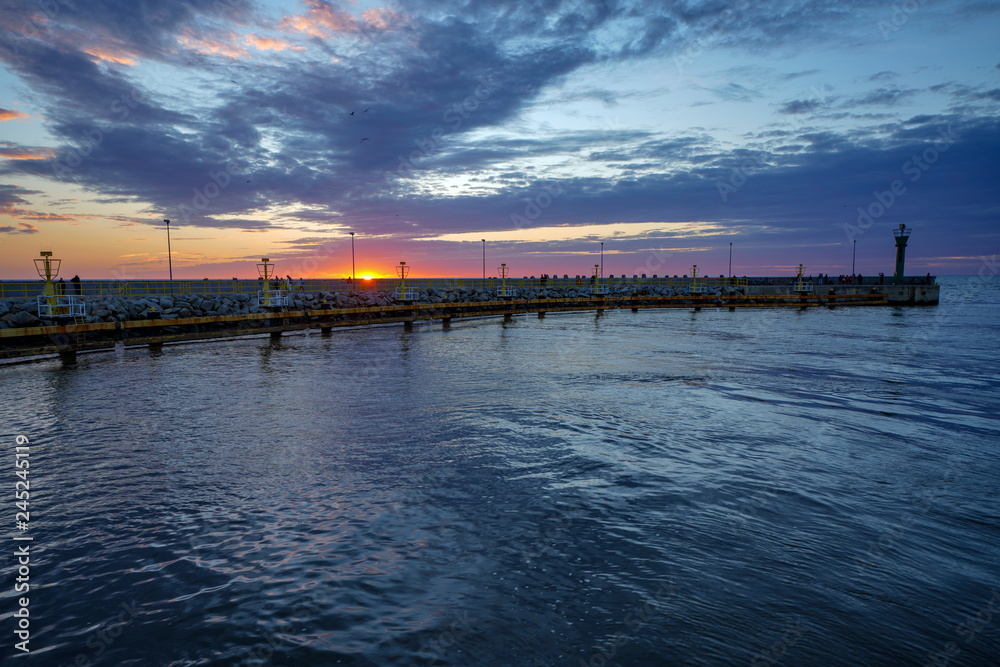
655,488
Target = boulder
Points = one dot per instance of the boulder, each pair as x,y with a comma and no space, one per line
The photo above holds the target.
24,319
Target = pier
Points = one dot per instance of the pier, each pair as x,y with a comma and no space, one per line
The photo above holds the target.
40,318
155,313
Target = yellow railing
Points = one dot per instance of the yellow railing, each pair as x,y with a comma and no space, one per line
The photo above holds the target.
138,288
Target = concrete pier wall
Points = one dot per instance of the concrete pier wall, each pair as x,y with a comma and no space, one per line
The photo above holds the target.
14,290
151,320
897,295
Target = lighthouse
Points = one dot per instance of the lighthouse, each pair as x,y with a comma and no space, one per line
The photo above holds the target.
902,236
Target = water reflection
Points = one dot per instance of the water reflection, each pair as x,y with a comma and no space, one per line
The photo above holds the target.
508,493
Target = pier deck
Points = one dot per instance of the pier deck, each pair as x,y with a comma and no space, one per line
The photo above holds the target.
68,339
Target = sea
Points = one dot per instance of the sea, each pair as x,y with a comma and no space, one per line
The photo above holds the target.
662,487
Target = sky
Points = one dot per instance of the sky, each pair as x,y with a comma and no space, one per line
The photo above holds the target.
674,133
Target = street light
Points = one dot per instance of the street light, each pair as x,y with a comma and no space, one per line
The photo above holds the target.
602,259
854,253
484,259
170,261
730,259
353,277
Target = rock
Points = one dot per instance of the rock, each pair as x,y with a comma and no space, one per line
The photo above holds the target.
4,308
24,319
166,302
184,312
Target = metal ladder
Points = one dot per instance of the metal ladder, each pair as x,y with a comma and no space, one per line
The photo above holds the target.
81,336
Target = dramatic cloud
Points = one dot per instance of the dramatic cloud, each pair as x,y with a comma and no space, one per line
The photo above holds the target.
451,120
9,114
14,152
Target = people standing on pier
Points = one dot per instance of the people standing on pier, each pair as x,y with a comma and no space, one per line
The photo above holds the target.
77,287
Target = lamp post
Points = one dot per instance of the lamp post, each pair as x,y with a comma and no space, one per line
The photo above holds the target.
264,295
503,271
353,277
602,259
730,259
170,261
854,253
47,268
484,261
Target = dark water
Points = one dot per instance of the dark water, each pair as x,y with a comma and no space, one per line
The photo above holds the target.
656,488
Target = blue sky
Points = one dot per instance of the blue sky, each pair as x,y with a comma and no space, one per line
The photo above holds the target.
665,130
